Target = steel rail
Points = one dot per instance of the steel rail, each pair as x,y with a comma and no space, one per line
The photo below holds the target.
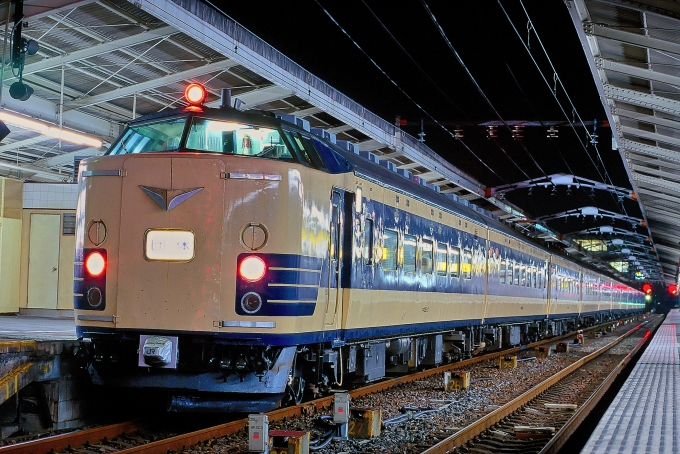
468,433
80,438
560,438
71,439
183,441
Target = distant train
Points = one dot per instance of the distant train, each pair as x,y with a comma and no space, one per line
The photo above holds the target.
237,260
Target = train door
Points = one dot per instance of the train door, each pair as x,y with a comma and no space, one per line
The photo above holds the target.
339,254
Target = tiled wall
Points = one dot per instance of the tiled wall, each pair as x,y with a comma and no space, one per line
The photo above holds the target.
50,195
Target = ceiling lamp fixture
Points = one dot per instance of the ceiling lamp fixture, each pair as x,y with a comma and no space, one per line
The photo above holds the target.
552,132
518,132
52,131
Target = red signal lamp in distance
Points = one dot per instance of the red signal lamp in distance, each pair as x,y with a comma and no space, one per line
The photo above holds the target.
195,94
647,288
673,289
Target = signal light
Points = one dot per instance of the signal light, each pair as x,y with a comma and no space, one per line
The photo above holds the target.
195,93
252,268
673,289
647,288
95,264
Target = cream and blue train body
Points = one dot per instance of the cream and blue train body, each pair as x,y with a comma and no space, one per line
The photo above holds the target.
248,261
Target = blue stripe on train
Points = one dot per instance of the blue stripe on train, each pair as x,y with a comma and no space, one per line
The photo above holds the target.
298,295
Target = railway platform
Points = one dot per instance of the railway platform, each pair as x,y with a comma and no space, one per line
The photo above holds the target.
645,415
38,375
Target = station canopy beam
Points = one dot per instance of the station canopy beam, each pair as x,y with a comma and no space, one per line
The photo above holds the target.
559,179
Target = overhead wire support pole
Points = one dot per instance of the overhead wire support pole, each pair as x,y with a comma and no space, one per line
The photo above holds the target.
61,103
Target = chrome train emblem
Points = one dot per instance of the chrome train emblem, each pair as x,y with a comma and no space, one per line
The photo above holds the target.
169,198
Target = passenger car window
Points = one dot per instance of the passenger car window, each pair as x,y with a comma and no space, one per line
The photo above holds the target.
441,259
410,247
368,242
467,264
454,262
389,250
426,257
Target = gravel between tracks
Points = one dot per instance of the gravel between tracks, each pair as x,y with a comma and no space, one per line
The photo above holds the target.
490,387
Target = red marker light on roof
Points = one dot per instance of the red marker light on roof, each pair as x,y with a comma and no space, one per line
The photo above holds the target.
195,94
95,264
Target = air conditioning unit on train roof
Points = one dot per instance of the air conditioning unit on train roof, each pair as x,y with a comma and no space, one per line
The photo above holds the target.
434,187
404,173
389,165
370,156
349,146
323,134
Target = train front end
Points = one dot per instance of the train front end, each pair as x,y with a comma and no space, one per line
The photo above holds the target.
199,258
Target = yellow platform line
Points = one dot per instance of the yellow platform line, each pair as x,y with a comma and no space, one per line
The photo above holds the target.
15,346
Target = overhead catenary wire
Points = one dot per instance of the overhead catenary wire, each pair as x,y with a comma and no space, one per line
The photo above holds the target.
557,78
480,90
533,109
547,82
393,82
415,63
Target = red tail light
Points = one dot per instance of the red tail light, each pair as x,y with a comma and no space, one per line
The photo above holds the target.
252,268
95,264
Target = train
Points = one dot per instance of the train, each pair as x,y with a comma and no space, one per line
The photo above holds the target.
234,260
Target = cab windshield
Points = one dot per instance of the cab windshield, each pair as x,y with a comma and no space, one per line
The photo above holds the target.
236,138
212,136
149,137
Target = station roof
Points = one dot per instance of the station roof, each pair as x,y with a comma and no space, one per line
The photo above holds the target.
603,186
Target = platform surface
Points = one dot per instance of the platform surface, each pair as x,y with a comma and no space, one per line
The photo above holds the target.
645,415
36,328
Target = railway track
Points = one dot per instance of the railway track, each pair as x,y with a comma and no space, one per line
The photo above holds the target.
132,437
533,414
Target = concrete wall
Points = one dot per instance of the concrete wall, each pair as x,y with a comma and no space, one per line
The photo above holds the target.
10,243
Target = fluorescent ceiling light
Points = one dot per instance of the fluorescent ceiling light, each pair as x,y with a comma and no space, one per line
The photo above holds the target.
52,131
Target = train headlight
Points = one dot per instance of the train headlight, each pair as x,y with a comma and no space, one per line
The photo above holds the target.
252,268
94,297
251,302
95,264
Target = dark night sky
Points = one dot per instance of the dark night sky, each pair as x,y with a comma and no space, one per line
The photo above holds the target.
492,52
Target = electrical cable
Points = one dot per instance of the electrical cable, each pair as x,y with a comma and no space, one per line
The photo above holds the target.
397,85
571,123
422,71
533,110
558,79
479,88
